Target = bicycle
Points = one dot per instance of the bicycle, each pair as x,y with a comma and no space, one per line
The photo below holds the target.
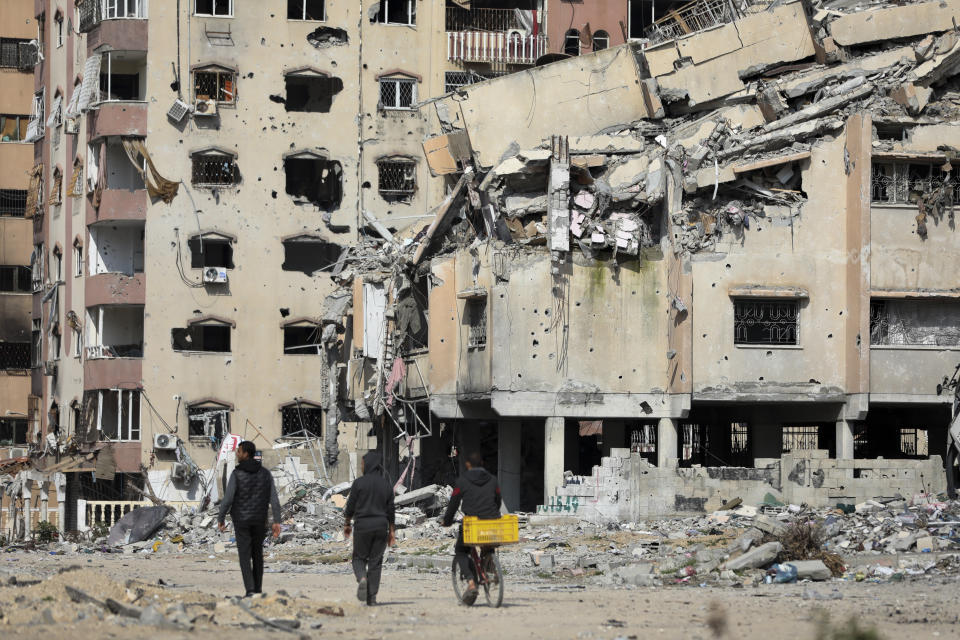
485,565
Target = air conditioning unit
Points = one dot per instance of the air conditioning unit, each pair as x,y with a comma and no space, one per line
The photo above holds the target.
205,108
216,275
50,367
18,453
178,110
181,472
165,442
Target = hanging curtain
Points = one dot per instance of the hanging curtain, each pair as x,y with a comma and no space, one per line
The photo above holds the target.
157,185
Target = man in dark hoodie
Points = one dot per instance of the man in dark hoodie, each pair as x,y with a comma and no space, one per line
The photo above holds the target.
479,494
370,507
249,491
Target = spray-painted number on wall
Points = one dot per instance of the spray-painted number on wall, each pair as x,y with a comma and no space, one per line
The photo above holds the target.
560,504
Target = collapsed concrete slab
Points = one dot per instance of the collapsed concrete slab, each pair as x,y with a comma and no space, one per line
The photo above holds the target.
890,23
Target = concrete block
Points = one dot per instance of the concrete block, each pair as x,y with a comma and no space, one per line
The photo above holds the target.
762,556
812,569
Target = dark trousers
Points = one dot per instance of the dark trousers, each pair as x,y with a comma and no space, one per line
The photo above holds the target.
368,548
462,556
250,549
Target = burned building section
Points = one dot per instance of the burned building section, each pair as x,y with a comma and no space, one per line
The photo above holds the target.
720,279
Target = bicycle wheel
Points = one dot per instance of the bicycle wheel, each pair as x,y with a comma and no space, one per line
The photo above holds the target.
493,587
459,582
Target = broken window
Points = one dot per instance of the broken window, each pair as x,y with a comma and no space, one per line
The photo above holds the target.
315,179
75,188
300,417
309,254
15,279
36,342
915,322
208,422
396,177
123,75
13,432
14,355
601,40
305,10
116,248
397,93
302,339
205,337
476,316
221,8
311,92
56,191
215,83
571,42
773,322
35,128
13,203
213,169
17,53
396,12
118,414
13,127
800,438
902,182
210,251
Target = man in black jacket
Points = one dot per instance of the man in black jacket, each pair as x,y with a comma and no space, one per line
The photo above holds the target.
370,507
479,495
249,491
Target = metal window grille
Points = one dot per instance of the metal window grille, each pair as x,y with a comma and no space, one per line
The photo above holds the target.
14,355
766,322
643,439
91,14
693,17
214,85
476,311
208,425
453,80
397,177
297,419
861,440
801,438
13,203
739,437
397,94
695,439
914,442
17,53
902,183
914,322
480,19
216,170
879,322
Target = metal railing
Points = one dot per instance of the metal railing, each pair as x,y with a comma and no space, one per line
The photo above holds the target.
696,16
481,19
500,47
109,511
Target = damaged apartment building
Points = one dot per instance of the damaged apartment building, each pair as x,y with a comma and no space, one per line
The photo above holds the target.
707,257
715,263
192,173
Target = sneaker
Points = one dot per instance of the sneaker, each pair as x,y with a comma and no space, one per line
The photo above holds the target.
362,590
371,601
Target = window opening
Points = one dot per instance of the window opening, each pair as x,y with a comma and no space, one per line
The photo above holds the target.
396,12
13,432
571,42
311,93
476,313
36,342
305,10
766,322
13,128
59,29
296,419
213,338
220,8
14,355
905,183
13,203
309,255
397,93
15,279
302,340
396,177
601,40
215,85
915,322
208,423
118,415
121,76
17,53
213,170
315,179
800,438
210,252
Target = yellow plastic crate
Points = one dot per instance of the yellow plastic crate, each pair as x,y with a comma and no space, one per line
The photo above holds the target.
502,530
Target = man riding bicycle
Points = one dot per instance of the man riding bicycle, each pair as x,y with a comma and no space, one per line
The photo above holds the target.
479,495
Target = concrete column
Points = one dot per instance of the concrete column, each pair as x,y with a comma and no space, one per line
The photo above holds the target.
552,456
844,440
667,438
509,462
27,515
44,502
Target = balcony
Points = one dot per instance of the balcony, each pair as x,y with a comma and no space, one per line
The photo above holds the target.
114,331
118,118
501,47
459,19
119,23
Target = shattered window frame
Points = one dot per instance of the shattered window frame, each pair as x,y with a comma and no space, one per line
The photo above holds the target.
303,5
201,259
213,8
902,183
475,312
398,94
217,83
778,319
294,346
388,17
194,334
11,430
213,170
909,324
301,416
397,177
208,422
120,432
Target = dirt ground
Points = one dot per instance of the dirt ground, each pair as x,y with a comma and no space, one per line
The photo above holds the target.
419,603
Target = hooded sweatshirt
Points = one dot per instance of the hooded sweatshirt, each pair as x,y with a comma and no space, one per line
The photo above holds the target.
249,492
479,494
370,504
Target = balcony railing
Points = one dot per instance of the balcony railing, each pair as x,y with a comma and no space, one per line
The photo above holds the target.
481,19
107,512
500,47
101,351
93,12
